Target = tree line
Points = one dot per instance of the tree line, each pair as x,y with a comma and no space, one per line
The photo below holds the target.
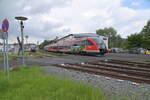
141,39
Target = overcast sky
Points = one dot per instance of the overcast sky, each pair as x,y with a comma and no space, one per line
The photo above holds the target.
50,18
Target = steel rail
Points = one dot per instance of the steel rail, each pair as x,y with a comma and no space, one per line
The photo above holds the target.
106,73
121,71
119,66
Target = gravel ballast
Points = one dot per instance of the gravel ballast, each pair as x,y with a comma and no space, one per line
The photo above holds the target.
111,87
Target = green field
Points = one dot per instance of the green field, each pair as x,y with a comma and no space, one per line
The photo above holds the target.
33,54
30,83
1,58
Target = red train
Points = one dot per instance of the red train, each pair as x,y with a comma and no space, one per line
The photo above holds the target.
80,45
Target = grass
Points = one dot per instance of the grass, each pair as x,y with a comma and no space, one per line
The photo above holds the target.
38,54
1,58
10,56
32,54
29,83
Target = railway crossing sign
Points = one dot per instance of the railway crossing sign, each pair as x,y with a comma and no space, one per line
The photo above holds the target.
5,25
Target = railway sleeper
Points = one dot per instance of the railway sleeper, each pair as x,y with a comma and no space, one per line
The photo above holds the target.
124,71
108,74
120,66
143,63
129,64
132,64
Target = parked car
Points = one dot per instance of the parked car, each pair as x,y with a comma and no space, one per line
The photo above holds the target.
148,52
33,48
116,50
138,50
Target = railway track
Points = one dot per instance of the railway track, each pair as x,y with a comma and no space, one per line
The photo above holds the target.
135,64
138,72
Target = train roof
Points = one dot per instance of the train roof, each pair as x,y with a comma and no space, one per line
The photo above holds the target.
81,35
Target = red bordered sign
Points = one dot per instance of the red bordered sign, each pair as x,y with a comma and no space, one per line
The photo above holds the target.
5,25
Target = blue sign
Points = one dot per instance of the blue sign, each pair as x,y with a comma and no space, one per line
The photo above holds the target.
5,25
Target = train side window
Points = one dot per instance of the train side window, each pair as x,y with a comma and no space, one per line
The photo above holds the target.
104,38
76,44
79,43
88,42
82,43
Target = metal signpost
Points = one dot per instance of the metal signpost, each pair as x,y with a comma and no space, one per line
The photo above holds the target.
3,36
21,19
5,26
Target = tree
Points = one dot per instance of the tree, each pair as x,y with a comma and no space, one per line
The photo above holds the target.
110,32
134,40
141,39
43,44
114,39
146,36
146,29
47,42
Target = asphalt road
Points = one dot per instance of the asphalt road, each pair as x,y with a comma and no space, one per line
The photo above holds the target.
46,61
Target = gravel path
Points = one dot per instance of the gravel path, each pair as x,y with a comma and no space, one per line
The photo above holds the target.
110,86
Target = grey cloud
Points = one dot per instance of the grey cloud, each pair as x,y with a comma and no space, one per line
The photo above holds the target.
66,30
36,7
31,9
42,29
51,26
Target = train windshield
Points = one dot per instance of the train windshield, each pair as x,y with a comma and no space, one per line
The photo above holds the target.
99,42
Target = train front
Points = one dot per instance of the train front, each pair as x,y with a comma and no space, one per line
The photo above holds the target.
100,45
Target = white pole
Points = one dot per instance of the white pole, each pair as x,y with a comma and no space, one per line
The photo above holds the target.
7,61
4,55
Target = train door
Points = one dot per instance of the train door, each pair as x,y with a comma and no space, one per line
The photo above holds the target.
88,44
91,47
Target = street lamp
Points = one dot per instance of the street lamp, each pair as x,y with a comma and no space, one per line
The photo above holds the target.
21,19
